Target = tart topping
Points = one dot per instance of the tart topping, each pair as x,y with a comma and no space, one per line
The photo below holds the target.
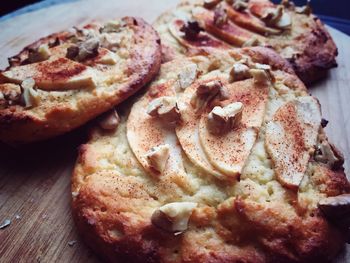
110,120
40,54
9,94
207,92
173,217
261,73
221,120
157,157
240,5
252,42
306,9
83,50
187,76
191,30
210,3
238,72
111,26
337,209
165,108
328,154
277,17
30,96
220,16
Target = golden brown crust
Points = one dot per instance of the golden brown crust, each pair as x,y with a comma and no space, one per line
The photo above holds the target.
310,64
254,219
20,125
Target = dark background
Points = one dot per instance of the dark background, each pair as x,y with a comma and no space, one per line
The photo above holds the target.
333,12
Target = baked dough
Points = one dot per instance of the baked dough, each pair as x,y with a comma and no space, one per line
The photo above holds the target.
68,78
165,187
295,33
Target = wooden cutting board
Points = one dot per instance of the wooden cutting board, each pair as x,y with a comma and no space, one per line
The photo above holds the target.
35,180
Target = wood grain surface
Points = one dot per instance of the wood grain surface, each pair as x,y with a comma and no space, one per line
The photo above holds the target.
35,180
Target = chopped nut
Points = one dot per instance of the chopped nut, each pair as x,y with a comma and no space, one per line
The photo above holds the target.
277,17
306,9
337,209
191,30
165,108
30,96
252,42
222,120
220,16
110,41
55,43
9,94
40,54
83,50
207,92
187,76
261,73
238,72
112,26
210,3
110,120
240,5
328,154
109,58
157,157
173,217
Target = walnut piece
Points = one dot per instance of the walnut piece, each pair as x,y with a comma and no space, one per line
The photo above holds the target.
29,96
191,30
238,72
187,76
220,16
157,157
261,73
40,54
165,108
110,120
337,209
277,17
9,94
208,92
83,50
173,217
328,154
112,26
223,119
240,5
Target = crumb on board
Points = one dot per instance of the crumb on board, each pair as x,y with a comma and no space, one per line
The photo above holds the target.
72,243
5,224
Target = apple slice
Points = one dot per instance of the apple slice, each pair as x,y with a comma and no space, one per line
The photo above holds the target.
290,136
228,152
144,132
53,75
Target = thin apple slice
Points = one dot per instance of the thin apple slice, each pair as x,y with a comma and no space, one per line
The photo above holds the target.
290,137
228,152
187,132
145,132
57,74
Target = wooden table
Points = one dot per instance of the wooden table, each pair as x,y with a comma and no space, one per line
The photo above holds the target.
35,180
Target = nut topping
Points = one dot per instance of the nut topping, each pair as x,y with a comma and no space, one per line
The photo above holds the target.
9,94
157,157
252,42
238,72
327,153
306,9
261,73
240,5
83,50
221,120
220,16
30,96
110,120
40,54
111,26
207,92
337,209
187,76
165,108
210,3
173,217
191,30
277,17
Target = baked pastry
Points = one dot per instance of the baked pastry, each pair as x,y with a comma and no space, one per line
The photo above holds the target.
296,34
223,159
66,79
